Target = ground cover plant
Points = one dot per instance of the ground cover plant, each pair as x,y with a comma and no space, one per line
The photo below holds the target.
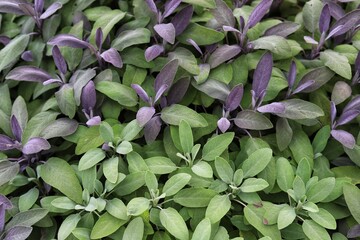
179,119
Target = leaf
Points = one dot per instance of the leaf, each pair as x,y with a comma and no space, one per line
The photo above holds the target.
202,3
224,170
323,218
90,138
286,216
320,190
91,158
196,32
283,29
321,138
8,171
186,60
275,44
311,13
110,169
314,231
66,101
55,169
106,22
27,200
160,165
174,223
337,63
137,206
28,73
59,128
320,75
194,197
120,93
13,50
202,169
216,146
254,216
223,14
68,225
174,184
175,113
117,208
300,147
218,207
124,148
352,194
223,54
284,133
166,31
134,230
300,109
248,119
131,183
27,218
166,75
131,37
285,174
186,137
253,185
256,162
18,232
106,225
258,13
202,230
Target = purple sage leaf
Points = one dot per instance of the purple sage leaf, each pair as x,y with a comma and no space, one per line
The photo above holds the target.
28,73
153,52
194,44
166,75
334,31
353,104
52,80
292,75
335,10
88,96
283,29
230,29
182,19
144,115
325,17
357,62
262,74
170,7
223,54
347,117
99,38
166,31
344,137
275,107
51,10
27,56
5,202
152,129
223,124
234,98
18,232
160,92
112,56
178,91
354,231
39,6
6,143
10,7
35,145
94,121
348,21
223,14
151,5
333,111
258,13
141,92
68,40
59,60
303,86
27,9
15,128
4,40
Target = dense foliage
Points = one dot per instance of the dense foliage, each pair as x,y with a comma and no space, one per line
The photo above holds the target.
179,119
